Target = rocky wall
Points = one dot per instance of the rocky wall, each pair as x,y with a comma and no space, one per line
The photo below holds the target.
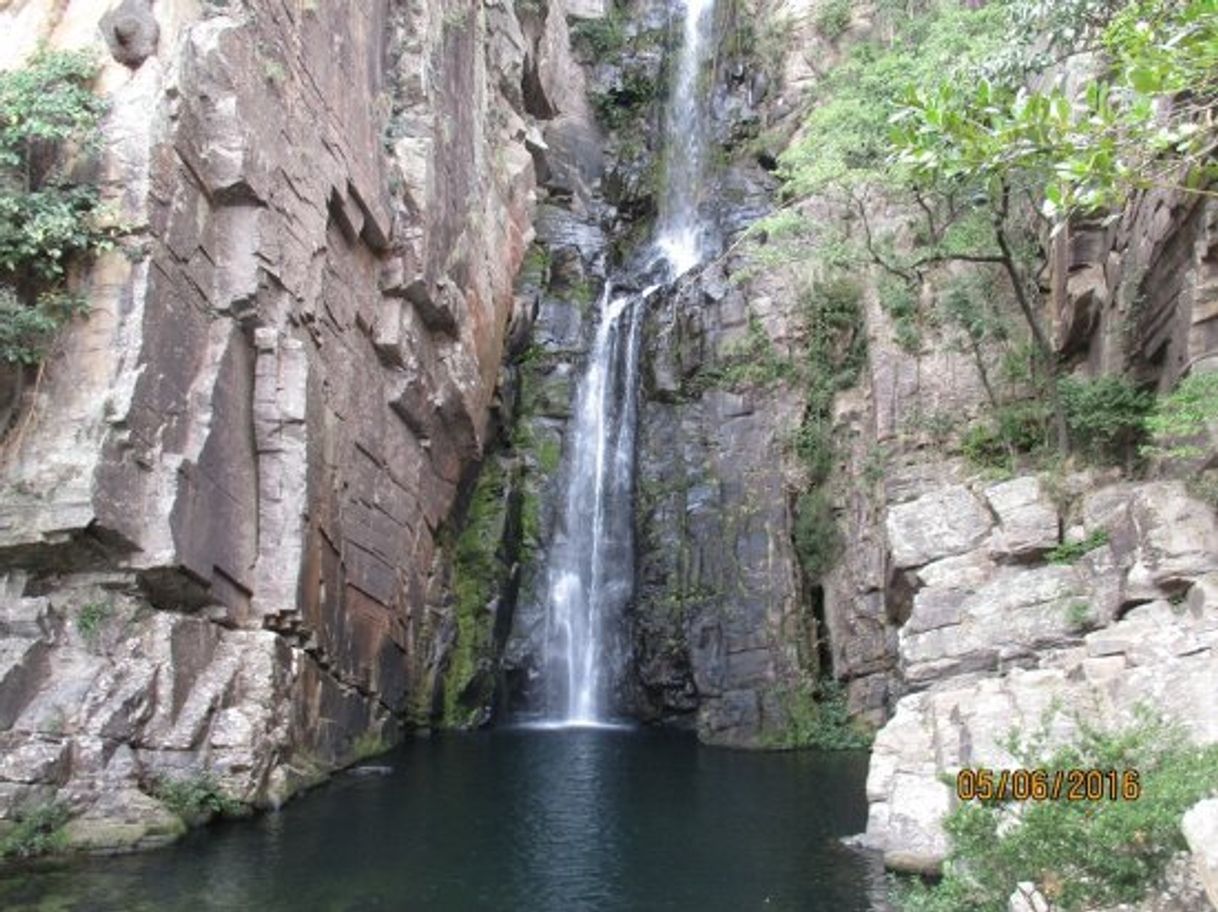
223,497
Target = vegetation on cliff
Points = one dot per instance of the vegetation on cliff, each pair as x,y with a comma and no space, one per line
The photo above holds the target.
1078,853
939,115
48,212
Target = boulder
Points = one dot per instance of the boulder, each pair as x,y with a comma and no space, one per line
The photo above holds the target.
1177,540
1200,827
131,32
1028,521
944,522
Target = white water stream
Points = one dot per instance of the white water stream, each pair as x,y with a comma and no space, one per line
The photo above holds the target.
591,569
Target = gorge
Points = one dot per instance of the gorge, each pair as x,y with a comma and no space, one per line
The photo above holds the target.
542,454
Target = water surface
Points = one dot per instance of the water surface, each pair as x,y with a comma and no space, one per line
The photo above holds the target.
560,821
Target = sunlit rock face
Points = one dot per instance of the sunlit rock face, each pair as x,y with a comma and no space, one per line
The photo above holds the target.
221,499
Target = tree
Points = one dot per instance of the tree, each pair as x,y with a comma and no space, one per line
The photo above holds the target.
1147,121
46,216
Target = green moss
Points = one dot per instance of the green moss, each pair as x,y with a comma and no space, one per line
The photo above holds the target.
477,574
549,455
369,744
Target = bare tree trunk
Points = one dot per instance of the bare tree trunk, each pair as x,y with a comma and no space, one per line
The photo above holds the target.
1061,431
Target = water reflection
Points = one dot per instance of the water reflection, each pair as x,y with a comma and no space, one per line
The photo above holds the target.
560,821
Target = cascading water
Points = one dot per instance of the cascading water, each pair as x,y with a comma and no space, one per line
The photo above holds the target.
591,569
681,235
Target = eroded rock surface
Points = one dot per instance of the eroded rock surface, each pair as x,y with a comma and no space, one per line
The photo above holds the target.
220,518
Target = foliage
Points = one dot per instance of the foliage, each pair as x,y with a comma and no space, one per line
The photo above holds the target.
92,618
817,717
751,362
26,330
37,831
1106,416
845,137
195,799
1014,429
624,99
46,217
899,298
833,18
1077,153
1069,552
817,539
1078,853
1181,417
1079,616
603,36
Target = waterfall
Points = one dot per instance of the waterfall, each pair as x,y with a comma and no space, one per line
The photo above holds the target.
590,576
591,571
681,236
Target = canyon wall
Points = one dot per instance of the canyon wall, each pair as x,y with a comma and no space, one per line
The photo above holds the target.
224,495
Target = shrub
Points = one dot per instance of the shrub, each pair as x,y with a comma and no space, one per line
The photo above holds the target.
1079,854
92,618
817,540
1180,418
1106,417
38,831
1069,552
833,18
196,799
1020,428
817,717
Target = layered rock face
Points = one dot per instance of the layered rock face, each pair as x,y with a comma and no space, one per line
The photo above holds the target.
992,626
724,630
221,503
992,646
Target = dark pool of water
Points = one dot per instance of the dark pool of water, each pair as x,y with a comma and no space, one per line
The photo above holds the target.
514,820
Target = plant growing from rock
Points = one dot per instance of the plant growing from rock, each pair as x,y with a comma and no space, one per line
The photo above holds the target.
92,619
1181,419
196,799
818,717
37,831
48,215
1070,552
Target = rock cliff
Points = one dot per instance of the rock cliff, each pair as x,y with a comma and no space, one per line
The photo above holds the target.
221,526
